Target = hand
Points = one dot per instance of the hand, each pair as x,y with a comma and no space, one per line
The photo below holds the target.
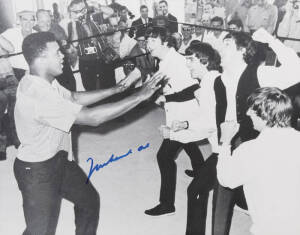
165,131
228,131
151,85
261,35
132,78
178,125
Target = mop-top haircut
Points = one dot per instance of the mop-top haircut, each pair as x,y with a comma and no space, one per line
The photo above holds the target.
155,32
272,106
201,49
255,51
35,44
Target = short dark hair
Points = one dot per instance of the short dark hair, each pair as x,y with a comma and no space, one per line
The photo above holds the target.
156,32
163,1
214,60
35,44
172,41
217,19
272,105
142,7
237,22
74,2
255,51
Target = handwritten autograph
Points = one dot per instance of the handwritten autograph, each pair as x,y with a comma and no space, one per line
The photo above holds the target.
97,167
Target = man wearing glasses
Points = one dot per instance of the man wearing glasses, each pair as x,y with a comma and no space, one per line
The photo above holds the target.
94,66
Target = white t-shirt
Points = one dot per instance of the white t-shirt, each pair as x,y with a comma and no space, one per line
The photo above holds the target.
44,114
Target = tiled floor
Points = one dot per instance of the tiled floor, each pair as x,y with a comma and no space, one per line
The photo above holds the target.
127,187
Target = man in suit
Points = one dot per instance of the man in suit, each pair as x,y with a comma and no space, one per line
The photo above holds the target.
172,24
140,25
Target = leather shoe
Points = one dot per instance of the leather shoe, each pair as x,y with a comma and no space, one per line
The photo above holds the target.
160,210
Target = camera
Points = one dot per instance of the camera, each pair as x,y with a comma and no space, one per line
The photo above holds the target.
90,50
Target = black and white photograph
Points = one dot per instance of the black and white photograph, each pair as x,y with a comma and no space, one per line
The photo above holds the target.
149,117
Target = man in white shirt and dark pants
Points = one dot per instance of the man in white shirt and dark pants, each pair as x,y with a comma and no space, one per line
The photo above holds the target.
268,166
44,115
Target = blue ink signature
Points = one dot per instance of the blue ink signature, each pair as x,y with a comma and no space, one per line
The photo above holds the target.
97,167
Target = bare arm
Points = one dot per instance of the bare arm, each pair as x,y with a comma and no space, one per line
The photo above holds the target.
86,98
102,113
91,97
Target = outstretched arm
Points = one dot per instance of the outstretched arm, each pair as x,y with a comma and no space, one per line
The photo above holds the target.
102,113
91,97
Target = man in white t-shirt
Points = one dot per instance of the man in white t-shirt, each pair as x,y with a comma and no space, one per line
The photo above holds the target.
44,114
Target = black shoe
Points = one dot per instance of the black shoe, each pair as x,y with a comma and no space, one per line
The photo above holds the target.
190,173
160,210
2,156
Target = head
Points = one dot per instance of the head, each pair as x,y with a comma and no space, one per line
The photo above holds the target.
78,9
202,58
235,25
42,52
141,41
163,5
55,6
123,13
129,65
205,20
186,32
144,11
43,20
27,20
156,37
175,41
239,46
269,107
207,9
217,22
198,30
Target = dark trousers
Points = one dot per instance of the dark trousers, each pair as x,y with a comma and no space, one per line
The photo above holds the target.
197,193
44,184
224,200
166,157
8,134
96,74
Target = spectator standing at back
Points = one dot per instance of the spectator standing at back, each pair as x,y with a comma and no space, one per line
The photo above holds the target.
172,24
56,15
16,35
262,15
290,25
141,24
241,11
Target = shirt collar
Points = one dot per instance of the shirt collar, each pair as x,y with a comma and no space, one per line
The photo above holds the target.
38,81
